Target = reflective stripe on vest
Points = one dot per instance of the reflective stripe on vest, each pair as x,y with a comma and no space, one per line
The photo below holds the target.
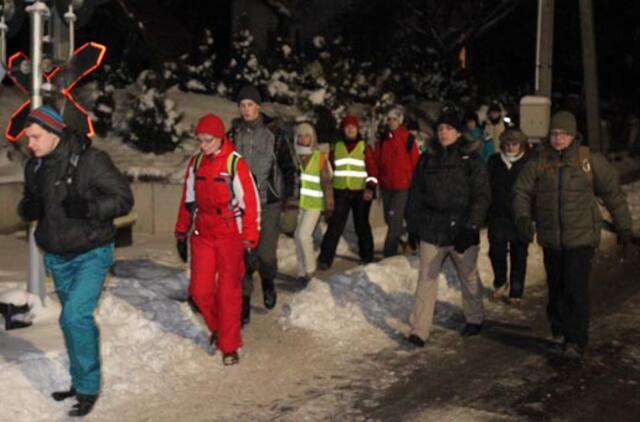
351,171
311,195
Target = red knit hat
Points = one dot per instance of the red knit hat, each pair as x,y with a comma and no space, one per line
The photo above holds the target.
350,120
211,125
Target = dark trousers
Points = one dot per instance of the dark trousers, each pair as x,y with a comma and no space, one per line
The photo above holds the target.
266,250
503,241
346,201
568,282
394,203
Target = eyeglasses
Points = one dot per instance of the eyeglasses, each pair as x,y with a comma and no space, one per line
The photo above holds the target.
559,133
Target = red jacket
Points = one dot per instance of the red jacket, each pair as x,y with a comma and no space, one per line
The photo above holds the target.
396,160
216,215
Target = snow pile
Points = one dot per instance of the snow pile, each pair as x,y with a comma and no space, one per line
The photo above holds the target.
373,301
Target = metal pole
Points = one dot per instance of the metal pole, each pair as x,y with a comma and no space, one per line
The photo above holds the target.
544,48
590,65
37,11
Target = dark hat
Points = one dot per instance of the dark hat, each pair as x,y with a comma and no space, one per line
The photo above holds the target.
211,125
451,118
471,115
564,120
350,120
48,118
495,106
513,135
249,92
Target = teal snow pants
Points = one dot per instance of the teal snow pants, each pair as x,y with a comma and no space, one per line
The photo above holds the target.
79,282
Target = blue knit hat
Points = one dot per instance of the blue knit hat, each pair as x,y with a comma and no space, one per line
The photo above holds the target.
47,117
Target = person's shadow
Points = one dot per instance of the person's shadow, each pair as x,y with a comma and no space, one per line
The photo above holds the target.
146,285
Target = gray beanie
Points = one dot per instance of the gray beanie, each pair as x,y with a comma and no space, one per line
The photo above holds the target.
397,114
249,92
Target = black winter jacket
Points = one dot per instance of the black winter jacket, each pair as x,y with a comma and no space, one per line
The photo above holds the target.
50,179
502,180
449,191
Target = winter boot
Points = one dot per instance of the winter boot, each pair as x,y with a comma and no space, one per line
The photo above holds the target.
229,359
415,341
8,310
269,293
246,310
63,395
471,330
84,405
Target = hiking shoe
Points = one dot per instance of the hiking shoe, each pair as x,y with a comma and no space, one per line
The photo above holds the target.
269,293
416,341
84,405
229,359
63,395
322,266
500,293
246,311
471,330
573,351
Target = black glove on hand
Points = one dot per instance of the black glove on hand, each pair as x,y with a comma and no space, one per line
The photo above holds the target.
76,207
251,261
465,239
32,210
183,249
525,229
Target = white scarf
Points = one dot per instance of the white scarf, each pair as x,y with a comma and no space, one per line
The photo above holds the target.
510,159
303,150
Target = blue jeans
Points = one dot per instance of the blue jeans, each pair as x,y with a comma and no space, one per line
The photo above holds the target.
79,284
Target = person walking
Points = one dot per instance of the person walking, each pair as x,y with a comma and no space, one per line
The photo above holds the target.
494,125
263,144
396,156
555,196
448,202
316,197
354,184
220,200
504,168
74,192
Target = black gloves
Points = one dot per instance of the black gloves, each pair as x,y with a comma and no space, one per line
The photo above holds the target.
183,248
76,207
32,210
524,226
251,261
465,239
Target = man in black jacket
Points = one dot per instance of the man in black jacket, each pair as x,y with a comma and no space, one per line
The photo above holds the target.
504,168
74,192
447,205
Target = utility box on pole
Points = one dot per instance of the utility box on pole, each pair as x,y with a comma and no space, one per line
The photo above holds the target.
535,114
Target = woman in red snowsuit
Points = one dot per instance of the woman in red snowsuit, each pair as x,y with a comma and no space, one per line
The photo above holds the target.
220,199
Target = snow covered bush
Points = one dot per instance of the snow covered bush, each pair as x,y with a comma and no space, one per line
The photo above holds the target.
154,123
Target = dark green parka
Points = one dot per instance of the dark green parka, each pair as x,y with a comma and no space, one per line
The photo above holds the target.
555,190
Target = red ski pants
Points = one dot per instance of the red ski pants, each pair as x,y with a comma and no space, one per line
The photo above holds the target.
217,269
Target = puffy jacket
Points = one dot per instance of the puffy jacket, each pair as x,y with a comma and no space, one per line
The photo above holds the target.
207,195
450,191
267,151
559,196
95,179
396,157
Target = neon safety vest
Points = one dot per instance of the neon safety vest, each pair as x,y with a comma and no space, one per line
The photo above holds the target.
311,194
351,172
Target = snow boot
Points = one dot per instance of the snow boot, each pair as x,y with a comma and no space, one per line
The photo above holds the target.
246,310
63,395
415,341
84,405
471,330
229,359
269,293
8,310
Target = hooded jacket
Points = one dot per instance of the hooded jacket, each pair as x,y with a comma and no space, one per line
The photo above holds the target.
326,173
449,191
560,197
50,179
396,159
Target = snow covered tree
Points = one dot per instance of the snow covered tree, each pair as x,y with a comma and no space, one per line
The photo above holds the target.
244,66
154,124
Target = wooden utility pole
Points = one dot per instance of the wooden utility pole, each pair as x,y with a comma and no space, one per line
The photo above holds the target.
544,48
590,65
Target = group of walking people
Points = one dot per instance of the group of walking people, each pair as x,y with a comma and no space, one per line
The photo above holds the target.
241,179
